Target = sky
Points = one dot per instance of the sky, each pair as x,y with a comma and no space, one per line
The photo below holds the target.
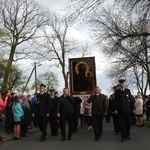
83,34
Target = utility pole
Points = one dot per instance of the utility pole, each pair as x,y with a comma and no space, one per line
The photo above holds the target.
35,71
28,81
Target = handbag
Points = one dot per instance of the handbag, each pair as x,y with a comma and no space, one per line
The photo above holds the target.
22,118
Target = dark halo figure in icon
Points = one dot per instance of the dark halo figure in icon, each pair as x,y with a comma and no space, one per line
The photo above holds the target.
84,77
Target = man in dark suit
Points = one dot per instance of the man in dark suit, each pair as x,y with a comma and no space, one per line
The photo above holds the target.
77,103
65,110
98,101
53,111
43,111
124,104
111,110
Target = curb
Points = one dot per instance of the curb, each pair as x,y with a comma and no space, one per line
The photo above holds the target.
9,137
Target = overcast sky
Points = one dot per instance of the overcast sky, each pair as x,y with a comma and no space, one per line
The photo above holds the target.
101,62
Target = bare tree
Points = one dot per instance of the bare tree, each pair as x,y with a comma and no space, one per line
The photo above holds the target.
57,44
126,39
2,33
82,8
50,79
20,20
131,5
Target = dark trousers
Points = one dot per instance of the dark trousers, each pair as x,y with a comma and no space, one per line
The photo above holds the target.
107,118
42,124
87,120
24,129
97,122
54,124
35,122
116,123
125,124
82,119
69,119
75,121
147,115
9,123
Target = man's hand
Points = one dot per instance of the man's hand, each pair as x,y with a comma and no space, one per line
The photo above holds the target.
58,115
105,113
47,115
134,112
33,115
116,112
3,116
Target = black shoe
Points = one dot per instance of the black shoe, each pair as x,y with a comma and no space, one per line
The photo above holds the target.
97,138
25,135
17,138
42,140
141,125
54,134
69,138
63,139
1,138
123,140
128,137
51,135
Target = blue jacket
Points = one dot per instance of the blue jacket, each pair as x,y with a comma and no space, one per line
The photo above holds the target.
17,111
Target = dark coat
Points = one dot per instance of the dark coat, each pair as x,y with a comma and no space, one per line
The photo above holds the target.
111,103
43,104
65,105
53,109
98,104
27,113
148,105
77,105
123,100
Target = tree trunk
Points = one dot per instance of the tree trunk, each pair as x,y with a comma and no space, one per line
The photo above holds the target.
8,68
65,76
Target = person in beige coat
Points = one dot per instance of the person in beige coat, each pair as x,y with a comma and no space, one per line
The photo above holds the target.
139,109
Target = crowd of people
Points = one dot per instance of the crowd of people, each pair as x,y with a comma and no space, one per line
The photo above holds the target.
20,113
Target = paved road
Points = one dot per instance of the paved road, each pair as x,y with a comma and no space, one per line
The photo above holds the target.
84,140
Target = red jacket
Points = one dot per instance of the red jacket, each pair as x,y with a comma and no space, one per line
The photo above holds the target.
2,104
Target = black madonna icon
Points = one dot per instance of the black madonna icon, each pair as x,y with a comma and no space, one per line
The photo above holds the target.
82,75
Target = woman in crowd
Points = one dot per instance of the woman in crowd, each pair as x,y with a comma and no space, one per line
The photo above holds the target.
107,117
139,109
87,113
18,113
8,111
81,119
27,116
3,103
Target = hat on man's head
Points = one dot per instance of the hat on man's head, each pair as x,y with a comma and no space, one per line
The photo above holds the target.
115,87
43,85
52,90
56,92
122,81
